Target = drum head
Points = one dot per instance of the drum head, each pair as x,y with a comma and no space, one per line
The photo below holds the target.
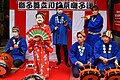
114,77
3,69
89,73
33,77
89,77
112,73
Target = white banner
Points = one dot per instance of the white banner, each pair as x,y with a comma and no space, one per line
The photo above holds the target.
50,5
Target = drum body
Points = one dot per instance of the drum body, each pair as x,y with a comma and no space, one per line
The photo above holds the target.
33,77
89,73
112,73
6,62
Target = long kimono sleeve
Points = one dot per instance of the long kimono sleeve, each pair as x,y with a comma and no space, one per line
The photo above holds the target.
31,44
51,24
47,30
72,53
48,42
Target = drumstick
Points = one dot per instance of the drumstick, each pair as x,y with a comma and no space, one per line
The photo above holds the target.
88,63
112,58
118,65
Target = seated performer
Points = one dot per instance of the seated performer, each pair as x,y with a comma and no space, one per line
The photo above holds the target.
80,54
106,52
17,47
39,43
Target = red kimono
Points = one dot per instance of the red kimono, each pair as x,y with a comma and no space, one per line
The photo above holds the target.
40,51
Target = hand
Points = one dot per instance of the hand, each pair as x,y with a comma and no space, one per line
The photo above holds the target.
88,16
80,63
11,48
89,63
16,46
66,24
56,27
116,63
38,38
105,60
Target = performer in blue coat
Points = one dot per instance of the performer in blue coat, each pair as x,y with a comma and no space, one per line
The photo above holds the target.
80,54
94,23
59,25
17,47
106,52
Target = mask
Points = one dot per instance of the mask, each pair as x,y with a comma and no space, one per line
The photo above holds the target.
15,34
39,19
59,11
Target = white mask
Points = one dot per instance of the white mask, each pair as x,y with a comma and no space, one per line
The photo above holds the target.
60,11
39,19
15,34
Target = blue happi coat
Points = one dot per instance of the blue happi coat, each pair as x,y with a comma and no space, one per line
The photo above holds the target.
60,36
80,54
94,24
100,50
17,53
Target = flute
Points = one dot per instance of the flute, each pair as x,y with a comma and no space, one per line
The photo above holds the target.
109,59
112,58
87,15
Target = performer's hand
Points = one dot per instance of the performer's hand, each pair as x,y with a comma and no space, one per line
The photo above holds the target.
36,39
116,63
56,27
89,63
105,61
11,48
88,16
16,46
80,63
66,24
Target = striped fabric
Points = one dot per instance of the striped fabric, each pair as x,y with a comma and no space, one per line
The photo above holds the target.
26,19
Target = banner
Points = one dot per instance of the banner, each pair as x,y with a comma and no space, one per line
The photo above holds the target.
116,17
51,5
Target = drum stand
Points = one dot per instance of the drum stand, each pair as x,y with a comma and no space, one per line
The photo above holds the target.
13,70
54,65
29,66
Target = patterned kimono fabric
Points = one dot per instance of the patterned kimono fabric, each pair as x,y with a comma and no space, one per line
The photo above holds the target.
41,60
